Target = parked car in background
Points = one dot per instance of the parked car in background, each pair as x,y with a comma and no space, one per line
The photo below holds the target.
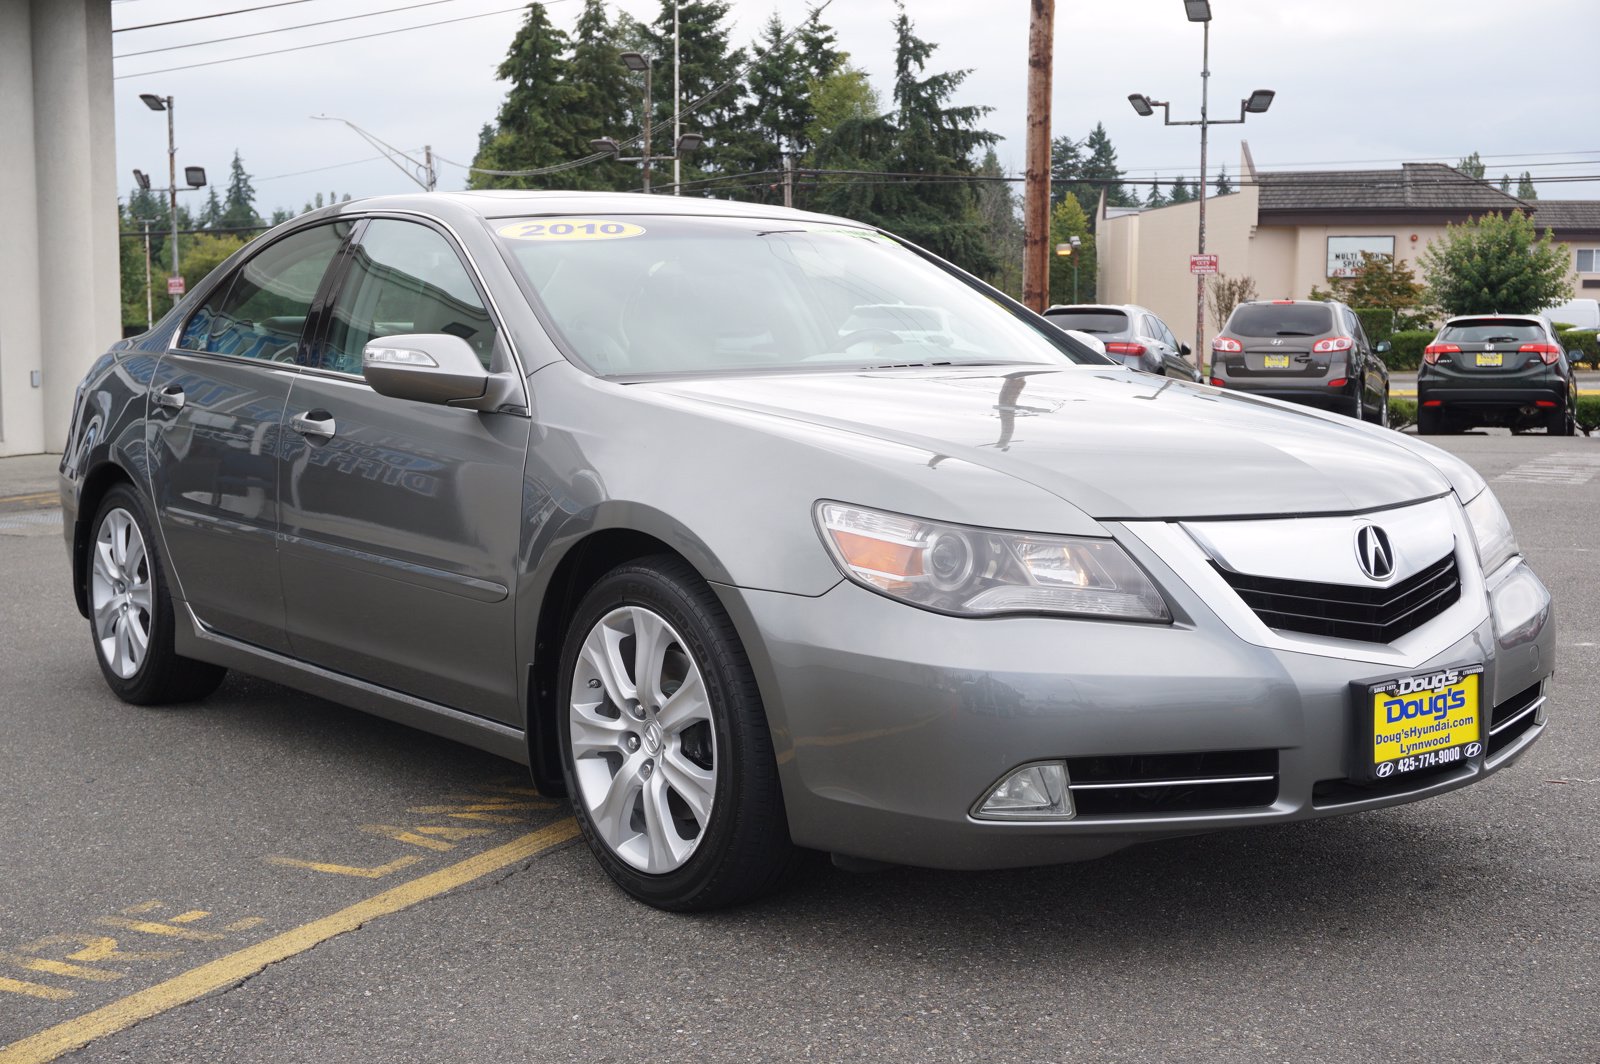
1132,335
1575,314
1496,369
1304,351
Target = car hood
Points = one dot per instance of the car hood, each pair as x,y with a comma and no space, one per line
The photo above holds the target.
1115,444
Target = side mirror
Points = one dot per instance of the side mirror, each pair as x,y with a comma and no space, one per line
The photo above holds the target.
432,368
1185,350
1381,347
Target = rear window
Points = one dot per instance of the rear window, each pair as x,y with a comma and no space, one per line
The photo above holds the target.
1090,321
1493,331
1281,319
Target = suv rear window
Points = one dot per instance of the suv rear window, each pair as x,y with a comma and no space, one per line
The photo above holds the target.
1090,321
1493,331
1280,319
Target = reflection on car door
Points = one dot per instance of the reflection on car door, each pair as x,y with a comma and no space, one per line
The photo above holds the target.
216,403
400,518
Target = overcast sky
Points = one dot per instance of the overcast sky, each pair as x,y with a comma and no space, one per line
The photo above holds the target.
1360,83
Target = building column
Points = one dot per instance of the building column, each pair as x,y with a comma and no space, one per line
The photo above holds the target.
60,286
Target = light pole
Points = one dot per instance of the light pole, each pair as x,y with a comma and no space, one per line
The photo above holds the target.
1070,250
682,145
195,176
164,103
1257,103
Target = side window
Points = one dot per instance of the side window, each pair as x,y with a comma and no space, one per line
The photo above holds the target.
404,278
261,311
1167,337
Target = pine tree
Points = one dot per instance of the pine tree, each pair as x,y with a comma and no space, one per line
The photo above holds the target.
778,109
1472,166
211,213
707,64
1155,198
1101,172
1505,183
1525,189
238,209
1224,186
1066,168
1002,227
606,100
533,128
1181,192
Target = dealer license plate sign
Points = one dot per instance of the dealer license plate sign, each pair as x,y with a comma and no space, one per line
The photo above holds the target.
1423,721
1495,359
1276,362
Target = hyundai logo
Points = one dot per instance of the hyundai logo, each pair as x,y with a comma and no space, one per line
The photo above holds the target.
1374,552
1277,343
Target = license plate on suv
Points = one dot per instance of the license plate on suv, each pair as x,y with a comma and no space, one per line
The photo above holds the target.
1275,362
1494,359
1423,721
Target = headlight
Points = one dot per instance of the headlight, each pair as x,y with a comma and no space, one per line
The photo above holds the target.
1491,529
978,572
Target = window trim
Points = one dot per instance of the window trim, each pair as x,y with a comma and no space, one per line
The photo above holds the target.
503,340
225,286
1594,259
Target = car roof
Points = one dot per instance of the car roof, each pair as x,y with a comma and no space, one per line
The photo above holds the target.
510,203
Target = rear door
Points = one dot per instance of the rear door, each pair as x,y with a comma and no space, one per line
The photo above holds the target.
216,407
1489,348
402,520
1277,339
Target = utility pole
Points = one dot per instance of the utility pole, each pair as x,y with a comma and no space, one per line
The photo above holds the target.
1036,190
149,300
647,119
427,166
677,119
1200,278
788,179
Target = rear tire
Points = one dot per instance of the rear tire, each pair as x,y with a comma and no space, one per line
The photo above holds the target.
1560,423
1430,422
665,746
1356,405
131,619
1382,415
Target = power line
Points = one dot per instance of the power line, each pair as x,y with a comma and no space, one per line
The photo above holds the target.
319,169
284,29
324,44
215,14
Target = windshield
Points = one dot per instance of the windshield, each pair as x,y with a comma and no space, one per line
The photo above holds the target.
1493,331
648,295
1280,319
1089,321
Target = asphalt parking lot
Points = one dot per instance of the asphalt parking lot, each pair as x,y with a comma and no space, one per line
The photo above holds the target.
269,877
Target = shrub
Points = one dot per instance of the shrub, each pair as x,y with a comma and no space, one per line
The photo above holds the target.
1583,345
1588,412
1402,412
1407,350
1376,322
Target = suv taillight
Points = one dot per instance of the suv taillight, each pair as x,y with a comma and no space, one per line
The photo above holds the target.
1226,345
1549,354
1431,353
1120,348
1330,345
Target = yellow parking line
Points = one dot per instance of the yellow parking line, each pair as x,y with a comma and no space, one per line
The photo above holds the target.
226,971
42,496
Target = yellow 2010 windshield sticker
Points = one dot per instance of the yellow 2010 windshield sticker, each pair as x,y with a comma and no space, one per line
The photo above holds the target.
571,229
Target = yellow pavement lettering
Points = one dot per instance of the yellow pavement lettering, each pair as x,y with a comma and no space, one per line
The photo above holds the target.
479,806
54,967
226,971
143,907
244,925
27,989
427,836
375,872
92,949
190,916
151,927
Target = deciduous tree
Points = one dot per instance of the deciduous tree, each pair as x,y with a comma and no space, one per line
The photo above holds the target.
1496,263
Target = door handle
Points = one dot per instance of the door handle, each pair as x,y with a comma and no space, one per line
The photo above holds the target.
171,397
307,425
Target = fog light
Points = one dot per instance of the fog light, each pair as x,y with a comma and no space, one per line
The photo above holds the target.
1032,792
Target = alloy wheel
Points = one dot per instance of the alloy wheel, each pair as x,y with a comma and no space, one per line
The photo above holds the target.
120,593
644,749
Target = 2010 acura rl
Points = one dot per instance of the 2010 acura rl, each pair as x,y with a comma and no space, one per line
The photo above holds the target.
622,488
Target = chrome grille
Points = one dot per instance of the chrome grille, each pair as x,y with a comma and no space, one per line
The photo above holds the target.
1132,784
1346,611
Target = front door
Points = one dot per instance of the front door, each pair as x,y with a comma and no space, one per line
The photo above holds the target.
215,406
401,520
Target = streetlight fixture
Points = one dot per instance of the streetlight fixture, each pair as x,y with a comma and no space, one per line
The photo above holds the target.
1255,104
1070,250
141,179
164,103
638,62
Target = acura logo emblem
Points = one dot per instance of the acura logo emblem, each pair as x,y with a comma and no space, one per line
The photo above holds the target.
1374,552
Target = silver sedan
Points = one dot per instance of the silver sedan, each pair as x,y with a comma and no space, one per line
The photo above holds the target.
754,531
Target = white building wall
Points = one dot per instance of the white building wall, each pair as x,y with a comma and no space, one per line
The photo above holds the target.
60,292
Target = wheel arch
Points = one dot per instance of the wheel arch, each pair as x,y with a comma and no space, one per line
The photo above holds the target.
99,480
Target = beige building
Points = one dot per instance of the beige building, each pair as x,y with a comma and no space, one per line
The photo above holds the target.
1292,231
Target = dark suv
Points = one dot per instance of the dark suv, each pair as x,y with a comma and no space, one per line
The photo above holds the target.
1496,369
1306,352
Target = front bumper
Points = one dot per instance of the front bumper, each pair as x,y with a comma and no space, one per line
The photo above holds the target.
889,722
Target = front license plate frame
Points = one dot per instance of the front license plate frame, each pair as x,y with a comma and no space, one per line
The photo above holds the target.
1491,358
1274,361
1424,720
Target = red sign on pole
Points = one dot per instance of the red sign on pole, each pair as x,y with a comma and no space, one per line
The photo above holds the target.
174,286
1202,264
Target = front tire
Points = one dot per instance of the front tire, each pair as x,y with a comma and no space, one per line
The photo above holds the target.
665,745
130,611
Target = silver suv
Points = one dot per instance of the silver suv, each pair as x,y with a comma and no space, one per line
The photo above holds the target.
1132,335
